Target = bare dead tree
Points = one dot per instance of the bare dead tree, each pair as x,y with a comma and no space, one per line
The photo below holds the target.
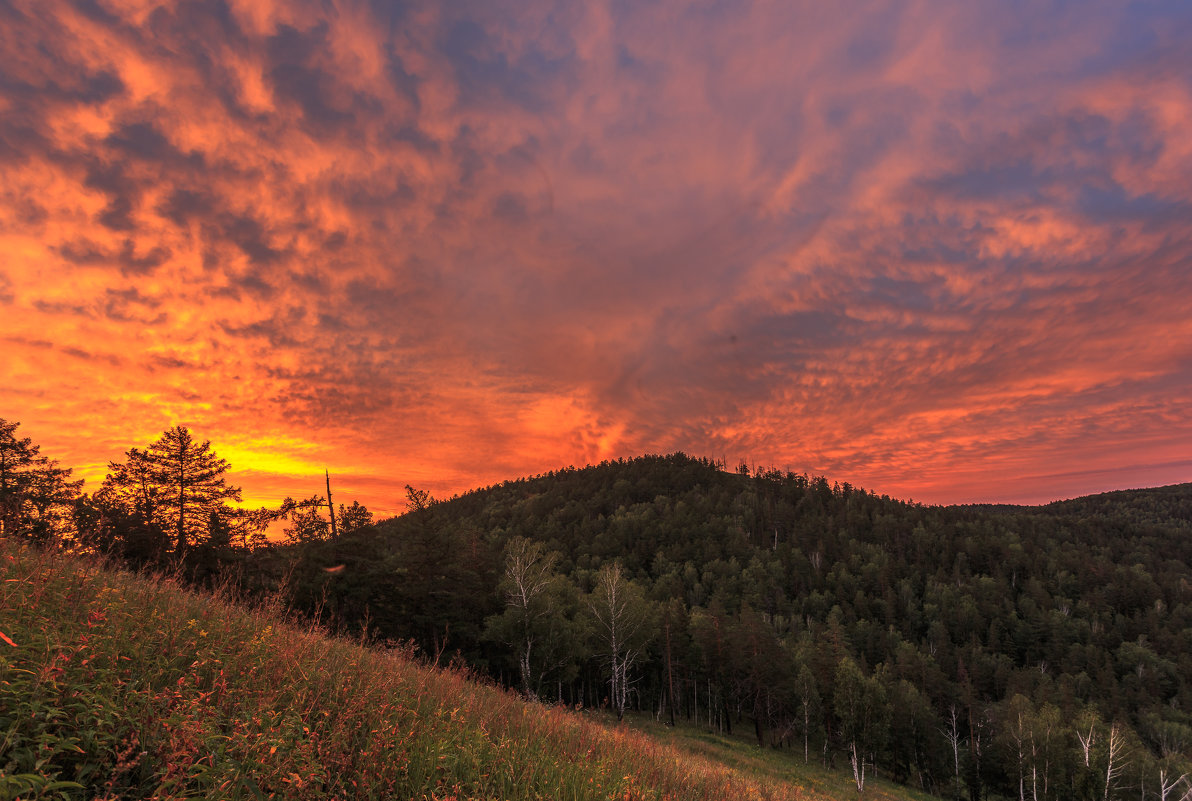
1115,761
952,734
1167,784
330,505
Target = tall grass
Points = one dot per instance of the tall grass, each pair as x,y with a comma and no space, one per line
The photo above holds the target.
119,686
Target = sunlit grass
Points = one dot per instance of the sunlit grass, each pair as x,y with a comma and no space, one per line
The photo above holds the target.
119,686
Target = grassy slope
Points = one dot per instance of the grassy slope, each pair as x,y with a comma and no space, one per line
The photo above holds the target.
119,686
739,752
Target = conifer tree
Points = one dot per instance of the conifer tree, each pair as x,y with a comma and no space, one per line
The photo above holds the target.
177,484
193,479
35,494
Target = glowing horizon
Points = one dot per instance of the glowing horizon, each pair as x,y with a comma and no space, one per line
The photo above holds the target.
942,253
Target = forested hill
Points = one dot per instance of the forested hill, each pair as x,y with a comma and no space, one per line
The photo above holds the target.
1167,507
947,646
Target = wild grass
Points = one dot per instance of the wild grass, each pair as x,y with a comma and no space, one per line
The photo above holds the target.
120,686
740,752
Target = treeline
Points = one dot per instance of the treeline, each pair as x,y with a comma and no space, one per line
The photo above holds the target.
1040,652
167,505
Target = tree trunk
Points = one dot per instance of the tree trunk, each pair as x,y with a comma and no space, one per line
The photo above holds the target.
330,505
670,674
181,498
858,763
1113,766
806,731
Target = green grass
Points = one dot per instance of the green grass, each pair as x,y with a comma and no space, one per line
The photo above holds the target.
119,686
741,753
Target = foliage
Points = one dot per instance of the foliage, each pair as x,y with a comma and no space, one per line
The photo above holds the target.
530,623
623,628
863,713
306,521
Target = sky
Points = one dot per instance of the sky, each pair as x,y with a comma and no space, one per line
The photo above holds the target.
939,250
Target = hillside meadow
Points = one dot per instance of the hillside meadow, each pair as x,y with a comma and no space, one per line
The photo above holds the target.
113,685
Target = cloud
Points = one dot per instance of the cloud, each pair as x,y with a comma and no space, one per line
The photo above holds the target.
928,249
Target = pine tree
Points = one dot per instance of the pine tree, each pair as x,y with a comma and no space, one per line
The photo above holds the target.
193,479
177,484
36,495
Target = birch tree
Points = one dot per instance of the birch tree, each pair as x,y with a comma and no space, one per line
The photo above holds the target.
528,572
862,711
1086,735
1115,757
620,615
1169,783
809,704
953,735
1046,730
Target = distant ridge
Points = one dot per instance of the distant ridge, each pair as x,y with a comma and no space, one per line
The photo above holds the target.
1169,505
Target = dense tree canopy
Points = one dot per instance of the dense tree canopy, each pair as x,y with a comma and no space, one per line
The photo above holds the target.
1032,652
957,636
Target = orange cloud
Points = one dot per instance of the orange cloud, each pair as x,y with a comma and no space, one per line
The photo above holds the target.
926,250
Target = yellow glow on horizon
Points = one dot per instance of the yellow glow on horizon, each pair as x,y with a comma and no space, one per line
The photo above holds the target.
284,456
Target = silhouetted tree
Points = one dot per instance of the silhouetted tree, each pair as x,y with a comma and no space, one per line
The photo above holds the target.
353,518
36,496
176,484
305,520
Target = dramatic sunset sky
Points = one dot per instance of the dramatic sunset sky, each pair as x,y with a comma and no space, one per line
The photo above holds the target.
940,250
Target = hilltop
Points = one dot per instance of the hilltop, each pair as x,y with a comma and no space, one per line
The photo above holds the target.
797,608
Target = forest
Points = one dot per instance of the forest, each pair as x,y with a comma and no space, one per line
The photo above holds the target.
970,651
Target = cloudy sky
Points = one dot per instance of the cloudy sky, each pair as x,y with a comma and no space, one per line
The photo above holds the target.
940,250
